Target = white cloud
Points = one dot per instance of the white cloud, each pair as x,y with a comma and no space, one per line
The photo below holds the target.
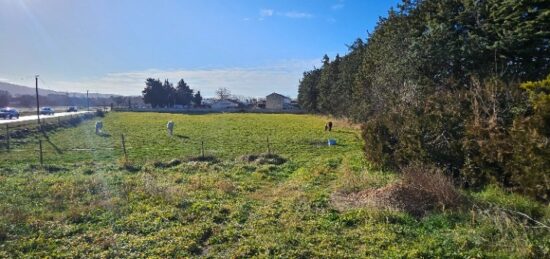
337,6
283,77
294,14
266,12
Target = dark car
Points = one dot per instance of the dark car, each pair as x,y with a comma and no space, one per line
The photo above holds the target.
9,113
47,111
72,109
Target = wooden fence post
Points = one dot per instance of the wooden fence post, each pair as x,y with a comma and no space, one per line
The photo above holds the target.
202,148
41,156
124,148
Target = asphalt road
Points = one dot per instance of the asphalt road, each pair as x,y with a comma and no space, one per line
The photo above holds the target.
33,117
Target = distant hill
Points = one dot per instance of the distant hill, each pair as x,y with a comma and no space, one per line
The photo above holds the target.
17,90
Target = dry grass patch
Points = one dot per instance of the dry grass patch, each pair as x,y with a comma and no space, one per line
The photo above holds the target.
420,191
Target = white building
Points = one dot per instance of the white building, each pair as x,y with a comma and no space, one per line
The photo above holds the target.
277,101
224,104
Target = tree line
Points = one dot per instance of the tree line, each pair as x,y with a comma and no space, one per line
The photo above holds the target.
458,84
165,95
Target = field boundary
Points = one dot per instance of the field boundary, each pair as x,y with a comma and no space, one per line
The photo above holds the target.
12,134
207,111
203,148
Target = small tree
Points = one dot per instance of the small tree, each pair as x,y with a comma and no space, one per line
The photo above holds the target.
197,99
223,93
169,94
153,92
184,93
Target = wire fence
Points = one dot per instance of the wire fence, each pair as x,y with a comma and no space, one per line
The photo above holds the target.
30,143
17,134
197,148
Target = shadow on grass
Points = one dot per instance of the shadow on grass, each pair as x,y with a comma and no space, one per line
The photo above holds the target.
181,136
104,134
57,149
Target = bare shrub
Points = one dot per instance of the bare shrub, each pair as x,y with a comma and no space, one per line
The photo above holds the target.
421,190
432,186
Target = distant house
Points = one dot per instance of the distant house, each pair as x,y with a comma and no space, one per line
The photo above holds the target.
260,104
277,101
224,104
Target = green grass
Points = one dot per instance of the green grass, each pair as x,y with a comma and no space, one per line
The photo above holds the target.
225,136
84,204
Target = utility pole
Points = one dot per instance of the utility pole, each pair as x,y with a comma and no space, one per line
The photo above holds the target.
87,100
37,102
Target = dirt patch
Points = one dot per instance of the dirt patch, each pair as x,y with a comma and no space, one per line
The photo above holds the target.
210,159
128,166
171,163
264,158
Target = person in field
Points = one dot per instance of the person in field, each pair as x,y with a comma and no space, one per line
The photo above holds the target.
170,128
98,127
328,126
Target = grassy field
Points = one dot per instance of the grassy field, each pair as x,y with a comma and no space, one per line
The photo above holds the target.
225,136
165,202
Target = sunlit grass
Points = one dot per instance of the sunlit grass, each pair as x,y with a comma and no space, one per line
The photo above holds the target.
223,135
85,204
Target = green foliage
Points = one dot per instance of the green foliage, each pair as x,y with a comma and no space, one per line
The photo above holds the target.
328,84
165,95
308,91
154,93
437,83
184,94
197,98
531,140
497,196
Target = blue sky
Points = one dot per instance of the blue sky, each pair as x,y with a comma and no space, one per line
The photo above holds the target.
251,47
